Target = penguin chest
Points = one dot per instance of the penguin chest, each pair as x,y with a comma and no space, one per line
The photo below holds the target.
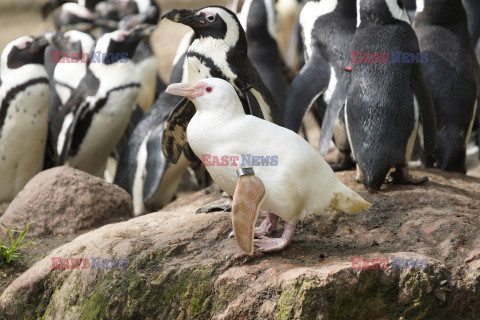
209,59
105,131
148,85
23,137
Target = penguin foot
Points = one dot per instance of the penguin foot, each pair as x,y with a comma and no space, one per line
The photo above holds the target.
343,162
224,204
266,244
359,177
267,226
402,176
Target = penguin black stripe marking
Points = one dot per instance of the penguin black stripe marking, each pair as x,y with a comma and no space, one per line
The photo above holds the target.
12,93
83,125
214,70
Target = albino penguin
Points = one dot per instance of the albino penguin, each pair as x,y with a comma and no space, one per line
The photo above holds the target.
291,180
24,102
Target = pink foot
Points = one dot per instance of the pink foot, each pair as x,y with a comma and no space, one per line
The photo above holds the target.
266,244
267,226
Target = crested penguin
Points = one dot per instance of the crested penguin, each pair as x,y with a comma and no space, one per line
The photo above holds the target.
96,115
24,101
387,101
451,76
298,184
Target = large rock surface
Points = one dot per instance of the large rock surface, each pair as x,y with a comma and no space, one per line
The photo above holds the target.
181,265
63,200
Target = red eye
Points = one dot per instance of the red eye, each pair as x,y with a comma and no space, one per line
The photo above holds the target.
209,89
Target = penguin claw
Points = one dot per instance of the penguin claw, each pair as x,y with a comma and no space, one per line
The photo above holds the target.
402,176
266,244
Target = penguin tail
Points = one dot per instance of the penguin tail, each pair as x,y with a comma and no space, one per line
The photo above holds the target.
348,201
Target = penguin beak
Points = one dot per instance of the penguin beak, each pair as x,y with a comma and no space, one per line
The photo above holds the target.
185,89
186,17
40,42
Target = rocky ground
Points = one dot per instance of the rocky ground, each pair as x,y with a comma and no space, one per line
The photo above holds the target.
181,265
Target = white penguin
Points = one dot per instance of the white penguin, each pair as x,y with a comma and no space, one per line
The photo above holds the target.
292,183
24,103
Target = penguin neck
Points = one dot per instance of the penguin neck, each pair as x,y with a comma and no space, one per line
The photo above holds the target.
227,111
115,74
21,75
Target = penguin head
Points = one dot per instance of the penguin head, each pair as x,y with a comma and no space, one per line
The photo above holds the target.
123,41
211,94
379,12
258,18
85,40
210,22
23,51
50,6
440,12
74,16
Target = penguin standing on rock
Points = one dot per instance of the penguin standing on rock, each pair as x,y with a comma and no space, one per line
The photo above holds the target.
258,19
24,102
387,101
143,170
300,183
450,75
95,117
328,27
219,50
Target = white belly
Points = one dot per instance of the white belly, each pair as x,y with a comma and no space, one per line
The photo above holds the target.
23,139
105,132
148,85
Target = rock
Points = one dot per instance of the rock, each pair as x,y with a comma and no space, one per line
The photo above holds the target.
64,200
176,264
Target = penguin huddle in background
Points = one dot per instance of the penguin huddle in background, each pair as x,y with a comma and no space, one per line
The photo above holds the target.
328,27
451,75
386,102
24,103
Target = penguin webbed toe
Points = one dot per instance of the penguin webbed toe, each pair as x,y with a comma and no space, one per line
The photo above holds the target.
401,176
266,244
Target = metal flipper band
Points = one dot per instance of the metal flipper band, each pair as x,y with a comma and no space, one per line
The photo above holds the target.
248,171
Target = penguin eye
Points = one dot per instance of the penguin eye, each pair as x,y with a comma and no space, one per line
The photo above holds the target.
209,89
210,18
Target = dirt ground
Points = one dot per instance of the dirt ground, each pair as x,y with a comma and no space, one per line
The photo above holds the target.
22,17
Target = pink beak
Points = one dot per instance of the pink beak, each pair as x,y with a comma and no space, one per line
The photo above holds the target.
185,89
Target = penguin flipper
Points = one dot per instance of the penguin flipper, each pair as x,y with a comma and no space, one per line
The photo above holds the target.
427,110
331,114
310,83
247,201
156,164
174,139
79,114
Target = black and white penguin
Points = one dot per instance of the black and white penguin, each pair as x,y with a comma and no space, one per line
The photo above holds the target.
143,170
144,57
24,101
70,70
258,19
219,50
72,16
51,5
387,101
95,117
450,75
328,27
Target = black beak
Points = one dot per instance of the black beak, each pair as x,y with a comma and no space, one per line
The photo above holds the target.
186,17
41,42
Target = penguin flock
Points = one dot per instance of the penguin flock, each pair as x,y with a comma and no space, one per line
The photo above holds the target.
384,79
